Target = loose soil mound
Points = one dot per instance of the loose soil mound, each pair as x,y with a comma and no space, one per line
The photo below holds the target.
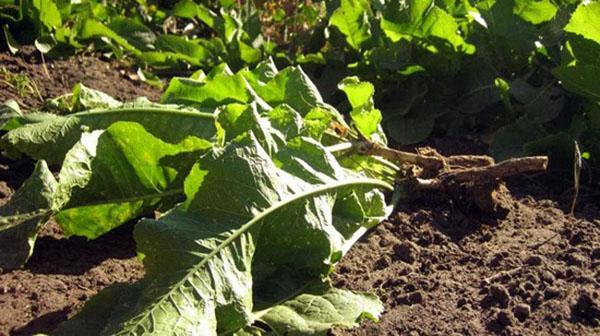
440,272
437,269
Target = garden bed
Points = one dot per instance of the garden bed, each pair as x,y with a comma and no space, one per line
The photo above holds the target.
438,270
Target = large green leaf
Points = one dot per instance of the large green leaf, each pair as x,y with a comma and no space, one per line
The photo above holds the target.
22,217
509,140
112,176
52,136
584,21
351,18
422,19
580,65
200,258
136,33
94,29
183,49
319,308
535,11
46,13
290,86
212,92
108,177
364,115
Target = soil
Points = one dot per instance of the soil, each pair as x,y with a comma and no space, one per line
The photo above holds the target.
439,269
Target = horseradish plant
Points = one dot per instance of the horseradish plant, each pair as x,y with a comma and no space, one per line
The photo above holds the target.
245,207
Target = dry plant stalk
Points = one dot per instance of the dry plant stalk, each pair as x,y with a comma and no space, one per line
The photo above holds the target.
471,179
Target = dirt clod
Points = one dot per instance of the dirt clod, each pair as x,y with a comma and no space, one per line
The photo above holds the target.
551,292
587,308
576,259
500,295
534,260
504,318
406,251
522,311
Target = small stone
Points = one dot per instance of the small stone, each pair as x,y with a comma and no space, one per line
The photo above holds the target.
406,251
522,311
534,260
503,318
385,242
500,294
391,283
576,259
551,292
571,272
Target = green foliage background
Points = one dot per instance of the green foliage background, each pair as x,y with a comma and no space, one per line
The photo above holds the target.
521,75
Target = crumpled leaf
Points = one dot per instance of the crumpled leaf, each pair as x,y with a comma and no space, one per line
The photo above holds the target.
290,86
318,309
85,98
109,177
51,136
22,217
200,258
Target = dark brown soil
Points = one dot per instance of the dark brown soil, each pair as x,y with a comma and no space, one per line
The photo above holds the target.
439,271
62,75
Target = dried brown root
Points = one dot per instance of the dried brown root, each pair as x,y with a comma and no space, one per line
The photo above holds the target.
480,186
469,179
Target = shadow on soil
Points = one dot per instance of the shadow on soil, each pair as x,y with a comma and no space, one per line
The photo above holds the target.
77,255
40,324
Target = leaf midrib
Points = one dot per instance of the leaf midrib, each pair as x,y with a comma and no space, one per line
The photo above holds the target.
147,109
255,220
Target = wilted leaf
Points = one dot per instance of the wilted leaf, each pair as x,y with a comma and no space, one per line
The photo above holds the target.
22,217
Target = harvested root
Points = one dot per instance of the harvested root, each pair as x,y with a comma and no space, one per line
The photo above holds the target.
466,179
